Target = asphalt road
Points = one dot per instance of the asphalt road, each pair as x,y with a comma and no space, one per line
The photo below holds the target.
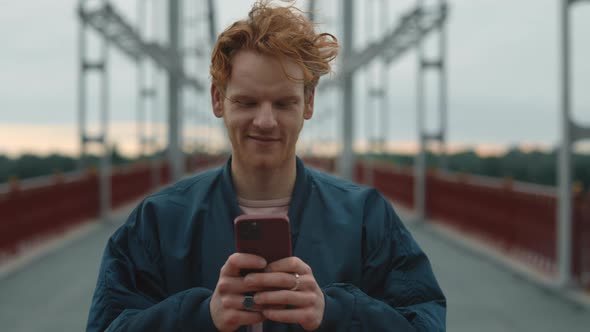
53,293
484,296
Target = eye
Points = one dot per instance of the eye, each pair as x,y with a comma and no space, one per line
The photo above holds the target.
245,103
285,104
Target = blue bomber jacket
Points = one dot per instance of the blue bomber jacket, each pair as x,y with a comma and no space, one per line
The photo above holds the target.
160,268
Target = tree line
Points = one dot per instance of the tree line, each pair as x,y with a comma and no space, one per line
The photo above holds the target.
534,167
537,167
30,165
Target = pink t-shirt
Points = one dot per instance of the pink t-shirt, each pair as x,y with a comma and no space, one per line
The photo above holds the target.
272,206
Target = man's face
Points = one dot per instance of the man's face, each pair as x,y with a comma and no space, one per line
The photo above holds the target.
263,110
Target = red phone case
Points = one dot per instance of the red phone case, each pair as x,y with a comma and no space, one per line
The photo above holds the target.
268,236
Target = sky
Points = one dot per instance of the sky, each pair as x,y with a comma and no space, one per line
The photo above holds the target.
503,60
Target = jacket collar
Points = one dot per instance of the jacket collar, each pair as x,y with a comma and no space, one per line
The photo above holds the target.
301,192
229,193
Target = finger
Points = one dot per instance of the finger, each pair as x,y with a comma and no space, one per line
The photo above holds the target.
290,265
239,318
299,316
270,280
236,302
239,261
285,297
235,285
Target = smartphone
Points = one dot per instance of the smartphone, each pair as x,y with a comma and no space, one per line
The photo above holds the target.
268,236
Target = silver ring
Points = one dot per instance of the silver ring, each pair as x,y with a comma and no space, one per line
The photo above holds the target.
296,282
248,302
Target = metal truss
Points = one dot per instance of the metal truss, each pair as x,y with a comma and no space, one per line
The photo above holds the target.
113,27
412,27
114,30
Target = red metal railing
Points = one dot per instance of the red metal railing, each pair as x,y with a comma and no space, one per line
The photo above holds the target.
516,220
519,218
581,243
33,211
38,208
393,181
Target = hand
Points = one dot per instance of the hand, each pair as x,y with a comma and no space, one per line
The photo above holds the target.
226,306
280,288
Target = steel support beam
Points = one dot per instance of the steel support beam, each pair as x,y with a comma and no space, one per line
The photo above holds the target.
105,160
443,94
82,95
384,107
424,137
212,22
147,95
100,67
175,153
420,159
142,95
311,10
564,225
347,155
570,133
371,77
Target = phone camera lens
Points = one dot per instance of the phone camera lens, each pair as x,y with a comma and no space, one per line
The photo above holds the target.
249,231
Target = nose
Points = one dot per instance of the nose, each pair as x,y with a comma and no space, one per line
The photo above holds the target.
265,117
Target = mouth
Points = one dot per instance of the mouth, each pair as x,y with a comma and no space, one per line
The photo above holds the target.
264,139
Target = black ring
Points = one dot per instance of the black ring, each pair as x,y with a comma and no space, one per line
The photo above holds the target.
248,302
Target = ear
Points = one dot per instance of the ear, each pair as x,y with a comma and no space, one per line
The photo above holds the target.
216,101
308,111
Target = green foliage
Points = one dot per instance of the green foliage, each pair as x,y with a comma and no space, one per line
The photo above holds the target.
582,169
535,167
29,165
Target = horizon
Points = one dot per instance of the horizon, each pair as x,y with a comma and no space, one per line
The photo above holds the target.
56,139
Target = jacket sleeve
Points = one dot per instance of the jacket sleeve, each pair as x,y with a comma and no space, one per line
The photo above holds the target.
130,293
399,291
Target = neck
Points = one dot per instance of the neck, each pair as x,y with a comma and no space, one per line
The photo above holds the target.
263,183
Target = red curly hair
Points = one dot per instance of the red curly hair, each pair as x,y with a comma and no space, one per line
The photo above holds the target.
282,32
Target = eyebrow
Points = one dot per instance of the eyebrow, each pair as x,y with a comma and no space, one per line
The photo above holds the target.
245,96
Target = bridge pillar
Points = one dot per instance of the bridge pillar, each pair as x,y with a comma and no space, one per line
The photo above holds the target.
570,133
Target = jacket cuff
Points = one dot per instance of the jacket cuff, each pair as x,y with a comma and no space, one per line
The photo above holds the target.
195,312
338,309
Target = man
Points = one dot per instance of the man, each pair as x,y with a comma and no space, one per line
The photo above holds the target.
173,266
